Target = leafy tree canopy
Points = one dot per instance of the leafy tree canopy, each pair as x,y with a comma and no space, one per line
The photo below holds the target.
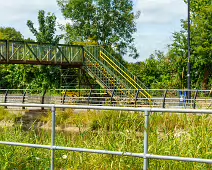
201,44
47,76
9,33
110,23
7,80
47,28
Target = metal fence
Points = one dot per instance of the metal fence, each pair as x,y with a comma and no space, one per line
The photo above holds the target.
160,98
146,155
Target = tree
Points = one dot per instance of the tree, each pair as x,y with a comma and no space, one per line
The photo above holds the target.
9,33
7,72
170,70
47,28
202,40
47,76
177,55
201,45
110,23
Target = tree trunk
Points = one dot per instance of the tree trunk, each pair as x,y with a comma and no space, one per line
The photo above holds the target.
206,78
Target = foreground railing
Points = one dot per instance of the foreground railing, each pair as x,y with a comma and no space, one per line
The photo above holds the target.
146,155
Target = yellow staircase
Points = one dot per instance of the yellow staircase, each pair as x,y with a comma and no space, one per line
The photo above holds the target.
112,75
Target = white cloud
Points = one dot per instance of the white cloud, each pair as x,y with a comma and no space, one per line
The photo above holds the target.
19,9
17,12
158,20
160,11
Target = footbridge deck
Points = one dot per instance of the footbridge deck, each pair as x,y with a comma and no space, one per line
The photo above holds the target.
100,65
21,52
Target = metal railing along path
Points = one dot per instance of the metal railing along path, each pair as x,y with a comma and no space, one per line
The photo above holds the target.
161,98
146,155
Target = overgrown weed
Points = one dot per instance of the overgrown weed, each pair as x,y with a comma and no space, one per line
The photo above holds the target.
169,134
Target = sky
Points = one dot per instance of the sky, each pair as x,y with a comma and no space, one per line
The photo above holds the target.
158,20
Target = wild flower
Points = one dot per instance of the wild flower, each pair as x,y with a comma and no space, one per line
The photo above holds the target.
37,158
64,156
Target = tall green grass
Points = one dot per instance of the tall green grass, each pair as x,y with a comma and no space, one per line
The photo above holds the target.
169,134
5,115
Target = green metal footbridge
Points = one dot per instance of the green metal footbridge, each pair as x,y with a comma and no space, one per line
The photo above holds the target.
99,64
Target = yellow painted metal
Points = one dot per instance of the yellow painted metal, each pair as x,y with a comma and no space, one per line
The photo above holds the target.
132,82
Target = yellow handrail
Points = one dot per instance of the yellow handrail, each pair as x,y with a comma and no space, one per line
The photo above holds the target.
125,74
122,75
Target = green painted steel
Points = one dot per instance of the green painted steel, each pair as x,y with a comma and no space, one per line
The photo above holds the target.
99,64
97,70
124,70
111,74
20,52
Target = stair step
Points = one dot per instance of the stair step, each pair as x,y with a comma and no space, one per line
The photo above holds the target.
107,75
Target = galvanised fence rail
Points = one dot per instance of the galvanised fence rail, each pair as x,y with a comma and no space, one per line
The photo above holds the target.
145,155
160,98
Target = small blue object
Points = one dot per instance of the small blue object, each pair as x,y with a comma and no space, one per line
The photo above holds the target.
182,97
185,96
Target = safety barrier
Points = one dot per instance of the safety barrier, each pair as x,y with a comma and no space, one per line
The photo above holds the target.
110,73
146,155
161,98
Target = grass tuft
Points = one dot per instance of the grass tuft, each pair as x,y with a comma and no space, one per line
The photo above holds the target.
169,134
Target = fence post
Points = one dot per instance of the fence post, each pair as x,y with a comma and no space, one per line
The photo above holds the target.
146,128
64,97
53,136
5,98
136,96
23,99
195,97
43,98
164,98
89,96
111,98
